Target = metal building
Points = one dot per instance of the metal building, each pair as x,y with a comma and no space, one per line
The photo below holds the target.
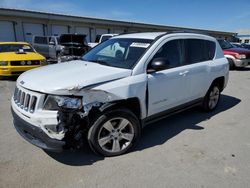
21,25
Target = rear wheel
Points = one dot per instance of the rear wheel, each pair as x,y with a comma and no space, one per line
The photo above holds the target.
212,97
114,132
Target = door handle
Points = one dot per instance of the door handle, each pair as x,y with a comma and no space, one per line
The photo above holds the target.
183,73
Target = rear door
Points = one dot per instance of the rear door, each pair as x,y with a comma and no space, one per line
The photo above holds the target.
198,56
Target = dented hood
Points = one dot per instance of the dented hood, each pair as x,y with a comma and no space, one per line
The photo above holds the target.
74,75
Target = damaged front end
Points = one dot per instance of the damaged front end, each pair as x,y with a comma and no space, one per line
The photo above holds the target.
73,115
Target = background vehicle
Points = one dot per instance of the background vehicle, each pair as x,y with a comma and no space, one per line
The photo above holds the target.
247,46
101,38
118,87
236,45
59,49
237,57
18,57
48,46
74,46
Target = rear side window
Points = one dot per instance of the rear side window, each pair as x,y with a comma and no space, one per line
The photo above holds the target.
197,50
41,40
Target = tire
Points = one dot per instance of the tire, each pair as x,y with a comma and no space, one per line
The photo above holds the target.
231,64
212,98
114,133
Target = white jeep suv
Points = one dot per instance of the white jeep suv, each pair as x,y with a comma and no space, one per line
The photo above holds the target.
118,87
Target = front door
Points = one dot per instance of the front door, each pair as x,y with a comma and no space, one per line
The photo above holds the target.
168,88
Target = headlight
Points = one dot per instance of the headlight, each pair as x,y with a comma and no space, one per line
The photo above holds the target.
55,102
3,63
241,56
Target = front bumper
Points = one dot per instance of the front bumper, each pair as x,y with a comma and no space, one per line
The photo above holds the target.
241,62
35,135
15,70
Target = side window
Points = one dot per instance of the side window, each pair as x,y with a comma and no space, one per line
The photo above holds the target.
210,49
41,40
198,50
171,51
52,40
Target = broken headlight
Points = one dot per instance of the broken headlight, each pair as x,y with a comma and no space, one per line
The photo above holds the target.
56,102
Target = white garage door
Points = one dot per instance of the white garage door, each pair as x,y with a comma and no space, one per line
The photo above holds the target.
57,30
101,31
7,32
118,31
83,30
31,29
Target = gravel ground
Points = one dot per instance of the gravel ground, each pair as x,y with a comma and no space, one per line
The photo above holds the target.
191,149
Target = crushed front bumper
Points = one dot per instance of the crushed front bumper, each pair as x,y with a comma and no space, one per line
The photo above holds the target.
36,136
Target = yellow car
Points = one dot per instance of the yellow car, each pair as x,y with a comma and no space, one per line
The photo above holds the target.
18,57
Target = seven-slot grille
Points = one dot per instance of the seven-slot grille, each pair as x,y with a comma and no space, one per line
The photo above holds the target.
25,100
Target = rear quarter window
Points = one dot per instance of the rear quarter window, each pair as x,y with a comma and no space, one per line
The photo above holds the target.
41,40
198,50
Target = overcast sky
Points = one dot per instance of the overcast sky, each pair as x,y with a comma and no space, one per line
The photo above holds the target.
225,15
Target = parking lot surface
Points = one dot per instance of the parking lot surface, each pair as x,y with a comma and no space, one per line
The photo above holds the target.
191,149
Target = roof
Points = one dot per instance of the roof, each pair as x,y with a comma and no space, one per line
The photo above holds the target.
64,17
14,43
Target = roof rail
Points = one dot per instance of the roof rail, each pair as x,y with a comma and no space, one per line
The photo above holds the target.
188,31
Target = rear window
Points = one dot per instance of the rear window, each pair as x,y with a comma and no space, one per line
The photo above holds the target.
198,50
41,40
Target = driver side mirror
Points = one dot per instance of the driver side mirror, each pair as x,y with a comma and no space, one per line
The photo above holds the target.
52,43
159,64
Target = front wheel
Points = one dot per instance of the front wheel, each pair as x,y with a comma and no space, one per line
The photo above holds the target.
114,132
212,97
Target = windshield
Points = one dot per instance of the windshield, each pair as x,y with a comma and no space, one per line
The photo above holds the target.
225,44
121,53
16,48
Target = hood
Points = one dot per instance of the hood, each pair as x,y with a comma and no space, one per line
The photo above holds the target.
57,78
238,50
72,39
12,56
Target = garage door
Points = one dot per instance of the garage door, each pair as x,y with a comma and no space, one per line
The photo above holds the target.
101,31
118,31
7,32
83,30
57,30
31,29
